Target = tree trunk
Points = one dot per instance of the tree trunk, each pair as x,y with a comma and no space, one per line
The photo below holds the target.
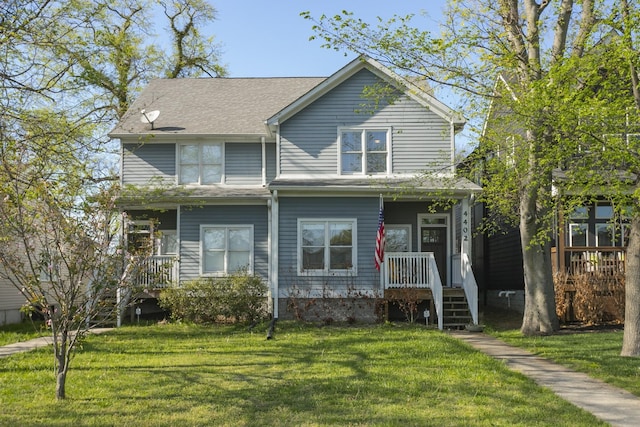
61,349
631,337
61,379
539,310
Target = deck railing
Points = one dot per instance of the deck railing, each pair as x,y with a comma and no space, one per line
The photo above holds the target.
157,272
594,260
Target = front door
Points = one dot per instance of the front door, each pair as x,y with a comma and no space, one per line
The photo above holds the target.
433,238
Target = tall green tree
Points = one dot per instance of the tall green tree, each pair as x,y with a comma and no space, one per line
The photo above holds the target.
69,70
500,56
603,126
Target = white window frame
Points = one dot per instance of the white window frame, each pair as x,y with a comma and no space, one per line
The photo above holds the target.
327,260
200,163
226,227
610,227
405,227
160,248
363,151
579,225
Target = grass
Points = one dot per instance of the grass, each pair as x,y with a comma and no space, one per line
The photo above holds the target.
307,375
595,351
23,331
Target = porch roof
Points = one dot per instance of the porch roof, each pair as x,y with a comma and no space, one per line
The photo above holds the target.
409,187
195,194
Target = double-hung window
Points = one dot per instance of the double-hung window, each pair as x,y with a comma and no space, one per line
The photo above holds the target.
364,151
201,163
226,249
326,246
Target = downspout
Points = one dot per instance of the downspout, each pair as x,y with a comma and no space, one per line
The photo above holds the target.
269,245
275,219
264,161
453,146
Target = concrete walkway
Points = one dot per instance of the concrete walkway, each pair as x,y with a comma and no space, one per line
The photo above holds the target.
20,347
610,404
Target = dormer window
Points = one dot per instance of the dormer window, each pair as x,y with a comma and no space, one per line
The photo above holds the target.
200,163
364,151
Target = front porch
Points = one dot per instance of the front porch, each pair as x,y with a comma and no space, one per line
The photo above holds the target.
415,275
155,272
590,260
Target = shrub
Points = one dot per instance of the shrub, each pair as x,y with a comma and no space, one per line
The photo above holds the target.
592,298
239,297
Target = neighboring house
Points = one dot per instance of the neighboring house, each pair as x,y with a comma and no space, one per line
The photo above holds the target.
588,241
284,176
11,300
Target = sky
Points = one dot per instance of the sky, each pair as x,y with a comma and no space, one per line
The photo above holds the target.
269,38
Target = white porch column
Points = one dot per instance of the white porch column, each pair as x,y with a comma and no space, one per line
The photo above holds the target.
465,231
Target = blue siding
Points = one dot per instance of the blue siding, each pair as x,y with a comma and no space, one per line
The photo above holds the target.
143,163
192,217
243,163
309,139
271,162
364,210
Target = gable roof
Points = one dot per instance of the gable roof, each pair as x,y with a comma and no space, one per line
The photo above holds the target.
214,106
242,106
412,89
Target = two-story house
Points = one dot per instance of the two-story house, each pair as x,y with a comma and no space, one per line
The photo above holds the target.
284,177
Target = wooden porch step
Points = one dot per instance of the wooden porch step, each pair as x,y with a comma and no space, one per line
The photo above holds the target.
455,308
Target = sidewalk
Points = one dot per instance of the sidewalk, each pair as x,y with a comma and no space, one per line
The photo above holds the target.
610,404
20,347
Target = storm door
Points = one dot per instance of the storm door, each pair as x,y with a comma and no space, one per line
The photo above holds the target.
434,232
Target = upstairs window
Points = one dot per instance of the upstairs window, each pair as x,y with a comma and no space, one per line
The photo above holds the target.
200,163
364,151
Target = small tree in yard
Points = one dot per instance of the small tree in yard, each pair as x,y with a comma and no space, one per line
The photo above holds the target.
58,246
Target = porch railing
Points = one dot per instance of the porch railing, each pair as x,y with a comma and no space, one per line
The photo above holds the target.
414,270
157,272
594,260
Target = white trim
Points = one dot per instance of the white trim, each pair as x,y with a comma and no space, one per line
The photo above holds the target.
158,241
178,222
447,226
273,252
326,271
586,232
363,150
610,227
226,227
407,87
263,146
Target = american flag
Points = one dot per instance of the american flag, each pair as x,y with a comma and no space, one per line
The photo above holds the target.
379,256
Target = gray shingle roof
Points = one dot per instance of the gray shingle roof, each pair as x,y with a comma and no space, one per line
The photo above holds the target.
216,106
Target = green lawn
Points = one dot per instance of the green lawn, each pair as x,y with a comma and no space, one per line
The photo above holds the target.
24,331
594,353
178,375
